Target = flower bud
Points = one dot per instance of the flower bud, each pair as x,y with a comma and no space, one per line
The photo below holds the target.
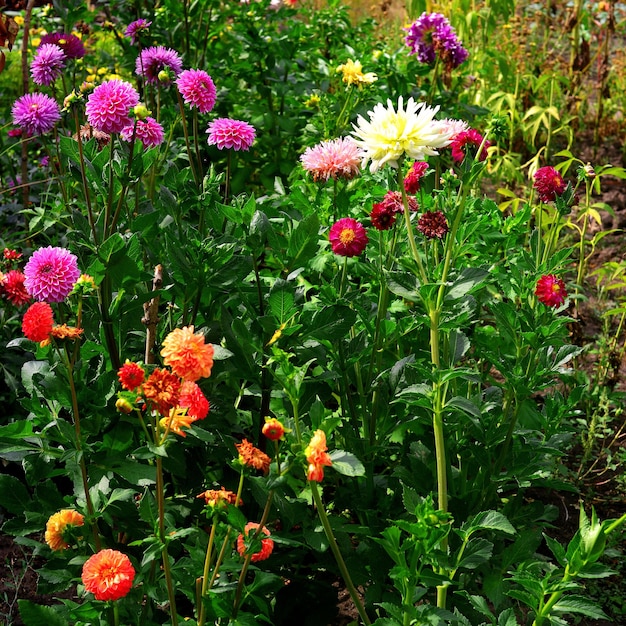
123,406
141,110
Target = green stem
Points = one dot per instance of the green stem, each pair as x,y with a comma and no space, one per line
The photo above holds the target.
409,227
160,489
337,554
205,572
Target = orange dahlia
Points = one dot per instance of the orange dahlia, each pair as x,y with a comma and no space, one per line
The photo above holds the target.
317,457
108,574
187,354
218,497
56,526
177,420
273,429
131,375
161,390
251,456
267,545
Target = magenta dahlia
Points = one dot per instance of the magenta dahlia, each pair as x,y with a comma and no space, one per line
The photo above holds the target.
415,174
550,290
226,133
48,64
197,89
36,113
152,62
70,44
51,274
148,131
549,184
347,237
109,104
469,137
135,29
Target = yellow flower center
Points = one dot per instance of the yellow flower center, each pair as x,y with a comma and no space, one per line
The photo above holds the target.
347,236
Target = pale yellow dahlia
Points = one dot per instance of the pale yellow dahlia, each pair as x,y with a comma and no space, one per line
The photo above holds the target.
353,73
391,134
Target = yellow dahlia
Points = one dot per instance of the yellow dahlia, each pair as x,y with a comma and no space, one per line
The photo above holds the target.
56,525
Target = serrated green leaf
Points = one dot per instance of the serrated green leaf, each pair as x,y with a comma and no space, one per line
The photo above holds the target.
580,605
15,497
491,520
37,615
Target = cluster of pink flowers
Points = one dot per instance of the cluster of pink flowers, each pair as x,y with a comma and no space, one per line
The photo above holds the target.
109,105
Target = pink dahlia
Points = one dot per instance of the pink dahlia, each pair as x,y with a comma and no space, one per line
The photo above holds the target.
197,89
549,184
393,202
550,290
468,137
70,44
148,131
12,286
109,104
347,237
51,274
48,64
36,113
338,158
135,29
226,133
415,174
152,61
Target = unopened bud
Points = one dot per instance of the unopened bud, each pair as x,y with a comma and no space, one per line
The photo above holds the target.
141,110
123,406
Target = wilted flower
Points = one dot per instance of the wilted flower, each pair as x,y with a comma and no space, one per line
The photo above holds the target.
177,420
197,89
35,113
347,237
549,184
393,201
131,375
38,321
433,225
550,290
161,390
147,130
353,73
109,105
57,525
71,45
250,456
226,134
108,574
152,62
51,274
317,456
390,135
135,29
337,158
465,138
431,35
48,64
218,497
267,545
63,331
187,354
414,176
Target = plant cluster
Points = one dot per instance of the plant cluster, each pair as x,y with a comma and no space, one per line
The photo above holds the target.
266,332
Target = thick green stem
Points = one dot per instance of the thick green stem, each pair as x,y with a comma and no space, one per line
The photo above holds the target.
205,572
337,553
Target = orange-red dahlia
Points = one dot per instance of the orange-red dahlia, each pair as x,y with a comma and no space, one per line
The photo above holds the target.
252,456
187,354
219,497
56,526
177,420
161,390
131,375
192,398
317,457
550,290
267,545
38,321
273,429
108,574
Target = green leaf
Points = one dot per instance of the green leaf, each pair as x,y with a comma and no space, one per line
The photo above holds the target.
469,278
581,605
281,301
491,520
332,322
303,241
36,615
346,463
15,497
477,552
